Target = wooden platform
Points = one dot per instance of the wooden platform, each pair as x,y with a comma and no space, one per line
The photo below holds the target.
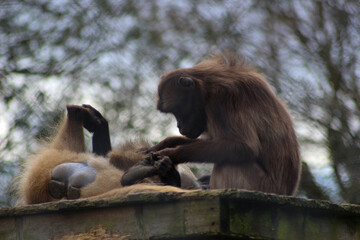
227,214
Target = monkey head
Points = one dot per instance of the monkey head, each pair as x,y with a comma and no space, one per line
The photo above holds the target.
180,94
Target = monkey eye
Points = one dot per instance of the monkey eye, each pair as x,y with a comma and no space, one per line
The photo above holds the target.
186,82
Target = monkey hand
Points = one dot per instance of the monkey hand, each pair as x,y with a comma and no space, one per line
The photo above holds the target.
141,170
148,150
151,158
170,152
163,166
144,150
167,172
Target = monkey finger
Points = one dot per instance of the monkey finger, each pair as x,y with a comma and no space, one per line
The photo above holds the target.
143,150
154,156
146,162
151,149
165,152
164,166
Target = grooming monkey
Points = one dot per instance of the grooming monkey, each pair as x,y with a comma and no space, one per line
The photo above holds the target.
229,116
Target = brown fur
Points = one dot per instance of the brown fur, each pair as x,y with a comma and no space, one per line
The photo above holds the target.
127,155
246,130
68,146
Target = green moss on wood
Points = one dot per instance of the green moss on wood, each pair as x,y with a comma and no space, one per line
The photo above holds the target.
225,213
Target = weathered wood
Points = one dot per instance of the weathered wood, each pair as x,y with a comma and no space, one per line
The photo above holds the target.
227,214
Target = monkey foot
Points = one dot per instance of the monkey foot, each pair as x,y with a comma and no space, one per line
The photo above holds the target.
57,189
73,192
67,179
91,118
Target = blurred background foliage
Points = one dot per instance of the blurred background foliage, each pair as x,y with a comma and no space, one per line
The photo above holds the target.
111,54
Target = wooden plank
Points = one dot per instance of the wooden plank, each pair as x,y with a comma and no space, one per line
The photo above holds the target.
221,214
8,228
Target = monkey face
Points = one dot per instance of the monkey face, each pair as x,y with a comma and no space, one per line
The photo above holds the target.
191,125
181,97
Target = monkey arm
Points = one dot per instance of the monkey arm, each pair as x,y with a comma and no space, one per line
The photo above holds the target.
151,166
211,151
171,142
137,173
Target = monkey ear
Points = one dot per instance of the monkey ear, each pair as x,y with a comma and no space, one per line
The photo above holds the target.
186,82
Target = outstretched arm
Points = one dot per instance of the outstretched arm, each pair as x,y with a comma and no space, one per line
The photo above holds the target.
170,142
210,151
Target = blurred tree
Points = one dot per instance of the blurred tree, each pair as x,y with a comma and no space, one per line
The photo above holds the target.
312,51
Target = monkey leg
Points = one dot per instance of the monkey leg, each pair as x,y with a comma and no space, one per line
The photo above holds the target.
70,135
68,178
34,181
188,179
95,123
90,177
151,166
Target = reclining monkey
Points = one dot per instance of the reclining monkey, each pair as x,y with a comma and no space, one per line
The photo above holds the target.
63,170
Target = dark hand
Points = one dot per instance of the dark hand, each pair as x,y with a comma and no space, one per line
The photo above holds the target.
164,166
169,152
